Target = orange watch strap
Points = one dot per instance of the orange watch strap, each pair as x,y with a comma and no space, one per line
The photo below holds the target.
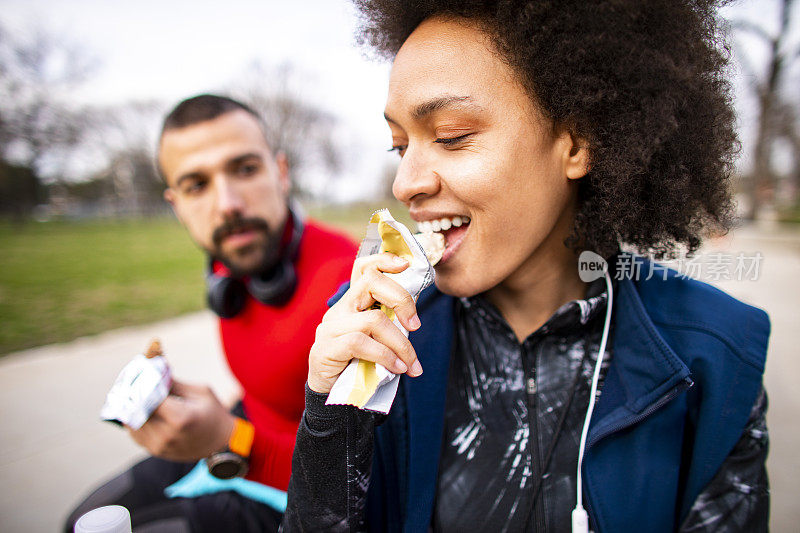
241,439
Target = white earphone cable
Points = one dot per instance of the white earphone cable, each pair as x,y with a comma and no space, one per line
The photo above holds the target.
580,519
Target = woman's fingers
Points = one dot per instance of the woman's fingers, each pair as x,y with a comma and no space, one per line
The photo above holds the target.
369,336
376,325
374,287
355,328
369,285
327,362
383,262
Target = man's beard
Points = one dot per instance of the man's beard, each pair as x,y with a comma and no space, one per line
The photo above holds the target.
245,261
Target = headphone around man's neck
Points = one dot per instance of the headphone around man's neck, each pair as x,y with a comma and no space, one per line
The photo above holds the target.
227,296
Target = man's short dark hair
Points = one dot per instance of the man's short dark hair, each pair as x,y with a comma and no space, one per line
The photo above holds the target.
204,107
201,108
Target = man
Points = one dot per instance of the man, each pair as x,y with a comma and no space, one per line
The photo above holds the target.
269,276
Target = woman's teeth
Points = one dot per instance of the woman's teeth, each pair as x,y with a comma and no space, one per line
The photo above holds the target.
442,224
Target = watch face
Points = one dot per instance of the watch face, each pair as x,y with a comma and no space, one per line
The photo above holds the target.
227,465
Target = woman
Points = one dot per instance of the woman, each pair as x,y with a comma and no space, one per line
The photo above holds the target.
529,132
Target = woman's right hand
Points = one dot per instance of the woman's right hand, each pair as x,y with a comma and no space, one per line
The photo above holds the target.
352,328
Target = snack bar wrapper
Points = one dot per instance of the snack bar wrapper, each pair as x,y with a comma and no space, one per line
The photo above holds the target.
365,384
139,389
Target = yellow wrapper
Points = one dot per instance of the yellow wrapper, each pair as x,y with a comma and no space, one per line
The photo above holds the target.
365,384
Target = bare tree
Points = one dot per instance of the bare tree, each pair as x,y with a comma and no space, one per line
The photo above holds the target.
294,125
788,128
36,73
123,137
761,185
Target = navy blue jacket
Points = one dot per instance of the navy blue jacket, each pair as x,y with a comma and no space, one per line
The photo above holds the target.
687,368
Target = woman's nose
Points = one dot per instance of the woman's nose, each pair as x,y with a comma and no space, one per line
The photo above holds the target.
416,178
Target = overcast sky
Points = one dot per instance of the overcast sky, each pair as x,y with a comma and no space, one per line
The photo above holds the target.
169,49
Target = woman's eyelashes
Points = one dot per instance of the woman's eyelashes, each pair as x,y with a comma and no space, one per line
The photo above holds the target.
448,142
452,141
399,148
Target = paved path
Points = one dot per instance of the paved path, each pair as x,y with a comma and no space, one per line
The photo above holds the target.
53,447
777,291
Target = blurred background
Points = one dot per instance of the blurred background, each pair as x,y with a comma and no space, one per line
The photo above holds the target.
88,246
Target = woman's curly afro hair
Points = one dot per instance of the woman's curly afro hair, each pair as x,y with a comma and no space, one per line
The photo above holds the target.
640,81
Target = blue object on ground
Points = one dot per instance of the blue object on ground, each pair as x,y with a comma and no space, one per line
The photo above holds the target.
199,482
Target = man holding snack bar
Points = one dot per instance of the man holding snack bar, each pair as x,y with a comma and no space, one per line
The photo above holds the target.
269,275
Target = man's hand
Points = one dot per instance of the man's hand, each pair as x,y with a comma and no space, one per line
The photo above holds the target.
189,425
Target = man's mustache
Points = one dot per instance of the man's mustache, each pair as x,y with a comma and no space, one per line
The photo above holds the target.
237,225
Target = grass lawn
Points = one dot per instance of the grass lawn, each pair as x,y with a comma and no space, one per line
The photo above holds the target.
63,280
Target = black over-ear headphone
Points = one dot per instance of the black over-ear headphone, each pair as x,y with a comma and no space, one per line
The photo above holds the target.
226,295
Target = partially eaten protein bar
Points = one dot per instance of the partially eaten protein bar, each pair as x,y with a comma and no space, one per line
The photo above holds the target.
433,244
139,389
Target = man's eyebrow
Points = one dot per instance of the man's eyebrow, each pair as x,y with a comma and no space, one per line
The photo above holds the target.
189,176
239,159
424,109
232,163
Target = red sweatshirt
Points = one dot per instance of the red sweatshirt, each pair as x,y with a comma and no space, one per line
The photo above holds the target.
267,350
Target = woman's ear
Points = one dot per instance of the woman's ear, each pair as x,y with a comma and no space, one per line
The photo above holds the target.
577,162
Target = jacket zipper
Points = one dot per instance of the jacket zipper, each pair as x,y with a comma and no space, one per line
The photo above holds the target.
529,367
536,460
655,406
666,398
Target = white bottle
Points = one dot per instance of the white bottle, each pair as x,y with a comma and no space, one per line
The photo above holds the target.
109,519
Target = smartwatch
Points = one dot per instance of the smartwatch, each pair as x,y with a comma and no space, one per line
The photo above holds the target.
233,460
